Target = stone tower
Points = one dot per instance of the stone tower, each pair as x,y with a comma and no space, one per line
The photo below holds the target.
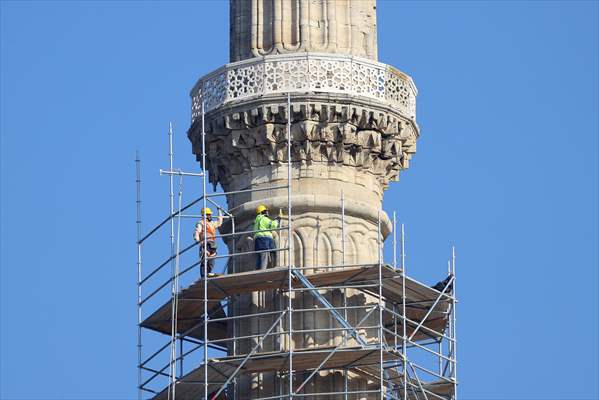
353,130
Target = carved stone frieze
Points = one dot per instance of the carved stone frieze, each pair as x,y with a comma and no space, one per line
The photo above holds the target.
369,140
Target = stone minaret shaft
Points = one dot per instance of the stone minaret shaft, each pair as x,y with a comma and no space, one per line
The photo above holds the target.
260,28
353,129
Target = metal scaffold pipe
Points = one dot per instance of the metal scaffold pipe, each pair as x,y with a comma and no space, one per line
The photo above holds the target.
449,364
180,173
404,348
139,272
455,342
345,377
290,245
394,241
380,288
342,228
173,348
204,254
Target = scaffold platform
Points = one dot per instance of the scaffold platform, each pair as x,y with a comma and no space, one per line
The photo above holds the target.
419,298
362,360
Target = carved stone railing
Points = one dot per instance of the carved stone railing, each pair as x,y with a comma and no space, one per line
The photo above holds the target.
302,73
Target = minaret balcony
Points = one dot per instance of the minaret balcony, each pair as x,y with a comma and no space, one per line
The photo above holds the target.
302,73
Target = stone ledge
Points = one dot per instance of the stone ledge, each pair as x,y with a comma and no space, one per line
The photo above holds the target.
248,136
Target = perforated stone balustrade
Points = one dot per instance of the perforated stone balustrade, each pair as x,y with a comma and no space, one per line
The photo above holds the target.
305,72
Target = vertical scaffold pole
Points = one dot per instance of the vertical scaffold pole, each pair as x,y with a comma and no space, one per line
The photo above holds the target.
233,303
345,370
176,294
455,344
343,266
440,359
394,240
395,268
181,356
204,254
342,229
345,384
171,196
380,250
290,249
139,297
404,347
440,342
449,363
395,326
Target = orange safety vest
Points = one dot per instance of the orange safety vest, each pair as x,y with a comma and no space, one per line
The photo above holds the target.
210,231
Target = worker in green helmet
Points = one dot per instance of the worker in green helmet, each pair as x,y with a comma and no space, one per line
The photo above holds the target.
263,238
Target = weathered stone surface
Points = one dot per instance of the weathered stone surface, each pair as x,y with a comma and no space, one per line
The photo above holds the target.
326,136
262,27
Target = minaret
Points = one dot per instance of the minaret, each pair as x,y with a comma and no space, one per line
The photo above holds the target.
353,130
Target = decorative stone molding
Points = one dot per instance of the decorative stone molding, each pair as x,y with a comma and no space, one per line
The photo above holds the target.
305,206
306,72
374,142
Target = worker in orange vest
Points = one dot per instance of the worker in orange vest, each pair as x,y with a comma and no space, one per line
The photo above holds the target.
209,249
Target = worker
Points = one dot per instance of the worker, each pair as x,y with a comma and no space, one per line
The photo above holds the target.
209,248
263,239
439,286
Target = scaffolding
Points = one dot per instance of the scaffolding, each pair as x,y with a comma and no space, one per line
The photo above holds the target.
412,355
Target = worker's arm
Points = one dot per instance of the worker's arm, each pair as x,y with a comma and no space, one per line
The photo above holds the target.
274,223
197,234
219,220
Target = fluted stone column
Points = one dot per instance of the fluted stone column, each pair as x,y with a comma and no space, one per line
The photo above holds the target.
353,130
266,27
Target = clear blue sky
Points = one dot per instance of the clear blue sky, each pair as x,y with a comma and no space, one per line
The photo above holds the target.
507,169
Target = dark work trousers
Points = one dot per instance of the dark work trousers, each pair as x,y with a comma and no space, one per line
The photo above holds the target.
264,243
211,249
